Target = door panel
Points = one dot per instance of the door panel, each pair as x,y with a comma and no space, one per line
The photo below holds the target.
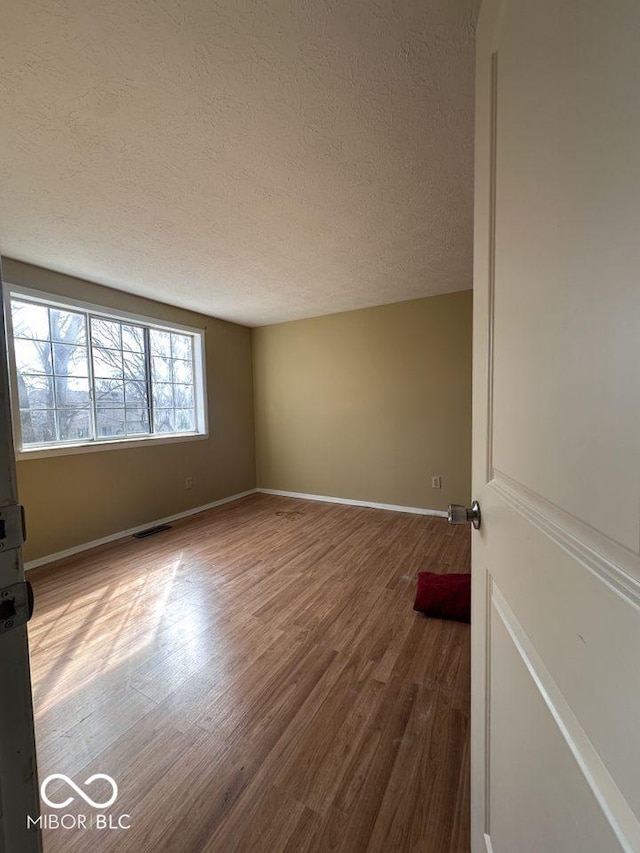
545,813
556,619
567,250
588,635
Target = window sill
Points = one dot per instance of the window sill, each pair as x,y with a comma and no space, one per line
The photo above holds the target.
97,446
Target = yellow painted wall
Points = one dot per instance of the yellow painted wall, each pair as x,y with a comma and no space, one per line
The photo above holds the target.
368,404
70,500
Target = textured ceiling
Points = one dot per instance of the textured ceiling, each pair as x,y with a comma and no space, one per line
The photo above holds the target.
258,160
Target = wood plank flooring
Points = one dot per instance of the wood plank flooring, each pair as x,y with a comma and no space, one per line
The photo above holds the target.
255,679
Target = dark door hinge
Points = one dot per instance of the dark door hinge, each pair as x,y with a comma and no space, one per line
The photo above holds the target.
12,527
16,605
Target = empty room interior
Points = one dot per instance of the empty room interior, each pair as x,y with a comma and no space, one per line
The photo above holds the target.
240,301
237,265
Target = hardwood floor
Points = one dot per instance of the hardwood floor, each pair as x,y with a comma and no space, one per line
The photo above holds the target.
255,679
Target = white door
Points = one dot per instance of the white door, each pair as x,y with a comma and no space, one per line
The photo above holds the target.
18,776
556,619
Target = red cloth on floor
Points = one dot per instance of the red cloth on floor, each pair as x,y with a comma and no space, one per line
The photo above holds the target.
444,596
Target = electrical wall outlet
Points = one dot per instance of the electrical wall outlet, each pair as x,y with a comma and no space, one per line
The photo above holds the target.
436,483
188,483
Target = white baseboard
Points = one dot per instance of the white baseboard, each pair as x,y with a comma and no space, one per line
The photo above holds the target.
86,546
121,534
487,841
415,510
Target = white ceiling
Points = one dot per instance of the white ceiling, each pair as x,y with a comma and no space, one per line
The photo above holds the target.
259,160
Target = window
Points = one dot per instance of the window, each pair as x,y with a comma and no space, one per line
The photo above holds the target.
84,376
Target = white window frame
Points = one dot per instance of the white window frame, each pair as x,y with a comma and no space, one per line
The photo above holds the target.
71,304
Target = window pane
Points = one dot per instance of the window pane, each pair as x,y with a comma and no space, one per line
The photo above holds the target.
106,333
137,421
160,343
133,338
162,395
183,396
72,393
185,420
68,327
135,394
38,426
109,392
110,422
107,363
161,369
29,321
134,365
181,346
131,365
33,357
35,392
74,424
182,371
163,420
70,361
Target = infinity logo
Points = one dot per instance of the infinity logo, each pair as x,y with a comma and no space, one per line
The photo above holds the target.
72,784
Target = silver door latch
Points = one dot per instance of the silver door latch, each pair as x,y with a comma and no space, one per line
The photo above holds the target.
16,605
12,529
459,514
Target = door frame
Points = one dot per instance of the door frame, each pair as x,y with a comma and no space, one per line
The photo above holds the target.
18,767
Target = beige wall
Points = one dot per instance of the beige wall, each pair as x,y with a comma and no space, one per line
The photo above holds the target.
368,404
70,500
